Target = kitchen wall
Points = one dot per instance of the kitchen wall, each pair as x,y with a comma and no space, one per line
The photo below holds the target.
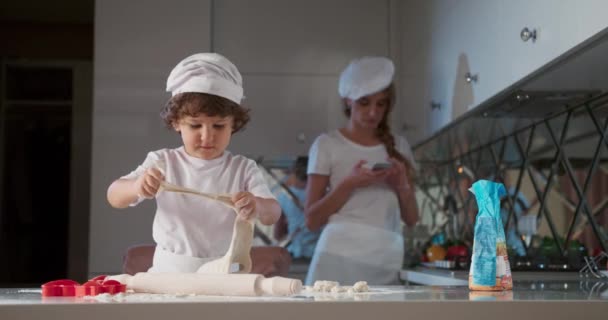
289,52
136,44
483,37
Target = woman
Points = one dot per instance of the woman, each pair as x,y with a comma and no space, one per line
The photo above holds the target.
361,207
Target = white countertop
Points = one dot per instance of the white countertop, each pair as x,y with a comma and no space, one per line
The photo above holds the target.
550,299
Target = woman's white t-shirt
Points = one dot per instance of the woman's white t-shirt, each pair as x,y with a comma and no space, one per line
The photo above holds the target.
334,155
191,225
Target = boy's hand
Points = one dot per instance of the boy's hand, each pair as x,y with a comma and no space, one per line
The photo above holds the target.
147,184
245,204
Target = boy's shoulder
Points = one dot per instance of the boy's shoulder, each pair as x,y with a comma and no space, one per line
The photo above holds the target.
241,164
165,152
238,160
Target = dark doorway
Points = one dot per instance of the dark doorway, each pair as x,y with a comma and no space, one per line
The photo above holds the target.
36,138
46,56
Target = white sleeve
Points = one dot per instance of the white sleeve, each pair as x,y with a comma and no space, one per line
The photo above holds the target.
153,159
405,149
255,182
319,157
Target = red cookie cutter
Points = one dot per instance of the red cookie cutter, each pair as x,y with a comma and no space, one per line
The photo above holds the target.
71,288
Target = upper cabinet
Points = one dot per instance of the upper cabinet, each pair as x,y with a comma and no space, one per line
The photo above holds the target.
480,47
291,54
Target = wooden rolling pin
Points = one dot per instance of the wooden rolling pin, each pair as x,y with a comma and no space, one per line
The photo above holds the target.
210,284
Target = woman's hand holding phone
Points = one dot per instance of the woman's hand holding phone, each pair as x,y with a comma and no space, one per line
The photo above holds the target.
397,176
362,175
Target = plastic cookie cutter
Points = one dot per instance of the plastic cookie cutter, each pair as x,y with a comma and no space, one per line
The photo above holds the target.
71,288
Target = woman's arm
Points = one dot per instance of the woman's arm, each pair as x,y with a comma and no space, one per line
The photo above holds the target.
319,205
398,180
408,206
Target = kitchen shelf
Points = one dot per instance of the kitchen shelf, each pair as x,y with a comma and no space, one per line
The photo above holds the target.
549,128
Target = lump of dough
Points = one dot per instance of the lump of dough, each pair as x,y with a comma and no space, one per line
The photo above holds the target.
324,286
360,286
338,289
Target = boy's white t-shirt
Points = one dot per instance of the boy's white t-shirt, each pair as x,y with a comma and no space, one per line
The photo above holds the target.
334,155
191,225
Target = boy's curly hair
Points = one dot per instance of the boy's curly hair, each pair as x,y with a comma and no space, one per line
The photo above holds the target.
196,103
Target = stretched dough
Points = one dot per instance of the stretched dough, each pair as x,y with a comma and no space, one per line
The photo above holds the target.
238,254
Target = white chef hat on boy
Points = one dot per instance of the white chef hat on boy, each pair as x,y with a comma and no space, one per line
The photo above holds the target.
365,76
208,73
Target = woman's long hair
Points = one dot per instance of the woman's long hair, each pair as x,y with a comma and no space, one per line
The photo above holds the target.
383,132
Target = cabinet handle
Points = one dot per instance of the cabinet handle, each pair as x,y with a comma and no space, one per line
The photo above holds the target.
522,97
527,34
469,77
435,105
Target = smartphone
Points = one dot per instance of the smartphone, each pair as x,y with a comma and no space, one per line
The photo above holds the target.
381,166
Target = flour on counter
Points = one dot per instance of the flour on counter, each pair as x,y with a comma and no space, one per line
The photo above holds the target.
136,297
106,297
334,287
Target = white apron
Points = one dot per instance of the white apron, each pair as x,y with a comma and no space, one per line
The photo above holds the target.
165,261
348,252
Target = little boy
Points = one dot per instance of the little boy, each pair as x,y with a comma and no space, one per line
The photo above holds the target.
205,110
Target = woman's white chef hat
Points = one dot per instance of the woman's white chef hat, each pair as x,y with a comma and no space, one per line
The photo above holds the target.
364,76
207,73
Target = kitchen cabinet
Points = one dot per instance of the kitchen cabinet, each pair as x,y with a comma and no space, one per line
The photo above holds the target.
555,113
483,38
291,54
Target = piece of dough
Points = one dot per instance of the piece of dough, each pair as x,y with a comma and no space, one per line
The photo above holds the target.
324,286
239,252
338,289
360,286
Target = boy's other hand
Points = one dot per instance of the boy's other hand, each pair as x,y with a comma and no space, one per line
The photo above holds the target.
245,204
147,184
